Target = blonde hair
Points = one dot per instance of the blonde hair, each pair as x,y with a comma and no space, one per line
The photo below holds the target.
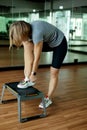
19,31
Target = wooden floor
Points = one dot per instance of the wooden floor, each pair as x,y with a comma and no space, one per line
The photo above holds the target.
69,108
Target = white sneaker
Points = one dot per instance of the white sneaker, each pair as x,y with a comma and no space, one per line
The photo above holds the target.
25,84
47,101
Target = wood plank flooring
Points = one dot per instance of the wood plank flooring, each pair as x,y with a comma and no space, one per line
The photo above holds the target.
69,108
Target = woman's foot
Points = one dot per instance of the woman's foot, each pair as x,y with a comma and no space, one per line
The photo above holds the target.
47,101
25,84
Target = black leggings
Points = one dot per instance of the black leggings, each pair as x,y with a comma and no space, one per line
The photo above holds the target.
59,53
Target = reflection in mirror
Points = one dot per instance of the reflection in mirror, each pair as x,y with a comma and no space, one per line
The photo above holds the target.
71,20
78,30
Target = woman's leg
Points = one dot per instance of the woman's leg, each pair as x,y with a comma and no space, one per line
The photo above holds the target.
59,54
52,86
53,81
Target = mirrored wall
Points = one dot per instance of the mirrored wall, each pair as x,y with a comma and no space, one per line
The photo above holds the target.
67,15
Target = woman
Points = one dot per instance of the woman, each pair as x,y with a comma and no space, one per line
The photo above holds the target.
36,37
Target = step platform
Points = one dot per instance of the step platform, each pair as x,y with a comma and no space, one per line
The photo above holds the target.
21,95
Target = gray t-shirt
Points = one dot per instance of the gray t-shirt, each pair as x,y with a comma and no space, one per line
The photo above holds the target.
46,32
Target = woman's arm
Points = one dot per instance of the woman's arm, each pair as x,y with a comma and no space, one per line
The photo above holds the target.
37,54
28,58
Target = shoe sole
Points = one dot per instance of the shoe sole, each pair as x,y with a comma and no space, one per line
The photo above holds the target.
26,86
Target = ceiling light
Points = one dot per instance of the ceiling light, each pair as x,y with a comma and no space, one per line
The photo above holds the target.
61,7
34,10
